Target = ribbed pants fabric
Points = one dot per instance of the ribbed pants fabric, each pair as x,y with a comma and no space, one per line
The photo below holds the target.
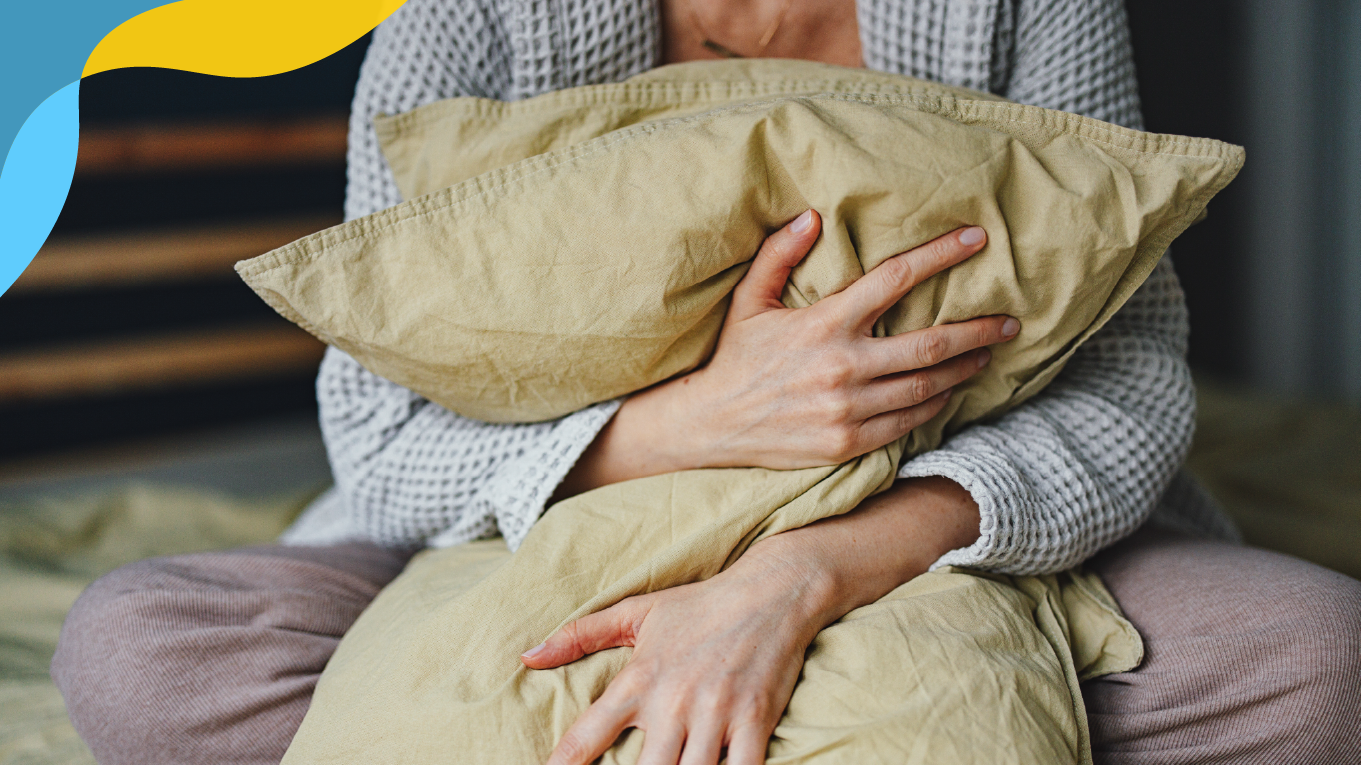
1252,656
211,657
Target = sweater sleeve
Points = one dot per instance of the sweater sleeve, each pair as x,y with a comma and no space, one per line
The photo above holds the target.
409,472
1084,462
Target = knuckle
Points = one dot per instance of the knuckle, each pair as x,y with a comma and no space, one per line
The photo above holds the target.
897,270
833,373
572,747
841,443
755,712
633,679
571,635
987,332
775,247
836,407
712,698
823,325
947,246
919,388
908,420
932,347
669,706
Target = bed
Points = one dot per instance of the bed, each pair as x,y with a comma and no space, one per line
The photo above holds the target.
1289,473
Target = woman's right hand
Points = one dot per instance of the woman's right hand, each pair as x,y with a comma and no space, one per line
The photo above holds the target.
800,387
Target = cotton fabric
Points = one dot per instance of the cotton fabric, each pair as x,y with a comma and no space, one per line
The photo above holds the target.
953,665
210,657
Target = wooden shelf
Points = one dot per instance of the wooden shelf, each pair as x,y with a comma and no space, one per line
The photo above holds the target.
206,146
153,362
150,257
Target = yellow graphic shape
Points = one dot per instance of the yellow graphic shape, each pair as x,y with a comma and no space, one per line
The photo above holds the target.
237,38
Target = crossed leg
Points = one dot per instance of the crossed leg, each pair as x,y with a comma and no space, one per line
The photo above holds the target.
1252,656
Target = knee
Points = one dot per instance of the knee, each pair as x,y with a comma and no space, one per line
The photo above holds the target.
105,659
96,622
1333,615
1323,617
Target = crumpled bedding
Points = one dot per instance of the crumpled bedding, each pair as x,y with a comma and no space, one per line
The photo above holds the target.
53,547
1287,470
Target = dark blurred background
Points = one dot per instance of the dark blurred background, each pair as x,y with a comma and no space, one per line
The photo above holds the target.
1273,276
130,326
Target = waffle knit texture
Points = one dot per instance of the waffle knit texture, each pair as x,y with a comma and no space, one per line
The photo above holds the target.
1071,471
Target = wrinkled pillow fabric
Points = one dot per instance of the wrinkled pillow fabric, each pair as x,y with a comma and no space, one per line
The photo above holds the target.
586,248
953,666
450,141
601,267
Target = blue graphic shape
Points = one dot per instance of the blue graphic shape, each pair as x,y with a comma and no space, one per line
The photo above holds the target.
43,47
35,179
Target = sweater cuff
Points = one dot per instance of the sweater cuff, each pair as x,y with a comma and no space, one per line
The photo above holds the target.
994,484
519,490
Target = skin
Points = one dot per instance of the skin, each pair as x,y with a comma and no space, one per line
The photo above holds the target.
715,662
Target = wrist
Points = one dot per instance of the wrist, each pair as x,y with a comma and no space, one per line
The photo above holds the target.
655,431
852,560
664,424
778,573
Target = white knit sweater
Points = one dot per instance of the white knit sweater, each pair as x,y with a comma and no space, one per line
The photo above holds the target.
1076,468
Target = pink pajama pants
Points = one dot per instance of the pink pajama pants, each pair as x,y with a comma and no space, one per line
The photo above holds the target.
1252,656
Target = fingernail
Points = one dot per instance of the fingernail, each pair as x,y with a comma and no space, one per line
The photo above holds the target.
984,357
535,651
971,236
1010,327
948,393
802,222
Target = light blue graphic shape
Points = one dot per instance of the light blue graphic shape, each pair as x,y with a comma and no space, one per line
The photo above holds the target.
43,46
36,178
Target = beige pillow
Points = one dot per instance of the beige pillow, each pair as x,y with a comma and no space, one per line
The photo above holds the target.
604,265
450,141
601,267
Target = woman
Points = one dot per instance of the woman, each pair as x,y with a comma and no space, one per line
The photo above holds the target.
1246,649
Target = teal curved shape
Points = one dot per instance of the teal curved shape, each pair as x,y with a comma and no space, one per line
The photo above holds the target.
45,45
36,178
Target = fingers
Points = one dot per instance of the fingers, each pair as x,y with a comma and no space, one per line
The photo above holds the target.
614,627
909,389
883,428
759,291
662,744
748,746
703,744
928,347
862,303
594,732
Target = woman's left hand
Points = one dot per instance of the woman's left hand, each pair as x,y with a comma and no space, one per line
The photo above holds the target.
714,663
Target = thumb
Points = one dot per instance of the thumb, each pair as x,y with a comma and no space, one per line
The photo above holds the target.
614,627
759,291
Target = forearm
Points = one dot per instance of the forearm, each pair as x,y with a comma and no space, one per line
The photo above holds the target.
629,445
891,538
